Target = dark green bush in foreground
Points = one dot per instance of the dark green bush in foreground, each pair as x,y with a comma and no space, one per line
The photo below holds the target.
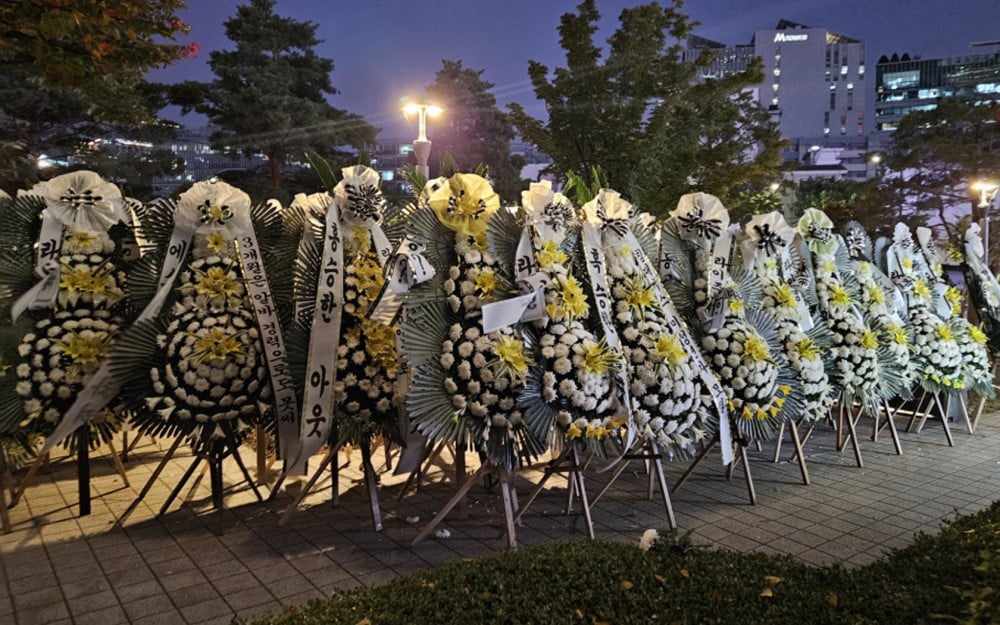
951,577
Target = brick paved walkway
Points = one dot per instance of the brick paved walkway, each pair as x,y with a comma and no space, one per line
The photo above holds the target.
57,568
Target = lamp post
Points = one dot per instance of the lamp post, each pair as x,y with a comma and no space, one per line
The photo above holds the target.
987,194
422,146
876,162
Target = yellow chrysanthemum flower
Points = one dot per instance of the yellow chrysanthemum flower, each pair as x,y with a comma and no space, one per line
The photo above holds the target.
806,349
897,333
840,296
573,432
84,280
86,352
368,272
756,349
784,296
486,283
216,346
362,237
598,358
876,295
977,335
380,343
598,432
617,422
944,332
907,263
637,296
82,239
921,290
573,299
551,255
217,282
735,305
512,359
869,340
669,349
215,241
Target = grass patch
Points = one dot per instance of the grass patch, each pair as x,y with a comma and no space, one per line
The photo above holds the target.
949,577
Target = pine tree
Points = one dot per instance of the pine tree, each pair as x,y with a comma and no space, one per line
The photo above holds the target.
269,94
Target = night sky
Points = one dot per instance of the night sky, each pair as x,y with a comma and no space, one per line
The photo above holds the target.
384,50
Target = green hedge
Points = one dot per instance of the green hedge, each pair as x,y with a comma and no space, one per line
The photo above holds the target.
949,577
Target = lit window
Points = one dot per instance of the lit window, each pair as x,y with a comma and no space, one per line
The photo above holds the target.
777,58
826,131
777,71
861,69
774,101
850,85
832,87
843,70
775,86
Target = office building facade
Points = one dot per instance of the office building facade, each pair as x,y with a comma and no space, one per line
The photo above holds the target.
814,83
905,85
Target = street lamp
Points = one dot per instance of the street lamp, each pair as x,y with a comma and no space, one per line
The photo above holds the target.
422,146
987,193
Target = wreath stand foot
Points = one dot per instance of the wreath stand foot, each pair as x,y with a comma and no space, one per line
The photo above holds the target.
740,455
330,459
213,458
487,468
5,480
846,417
152,479
653,460
568,462
797,443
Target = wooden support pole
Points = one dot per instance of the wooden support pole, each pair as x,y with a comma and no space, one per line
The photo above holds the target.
83,468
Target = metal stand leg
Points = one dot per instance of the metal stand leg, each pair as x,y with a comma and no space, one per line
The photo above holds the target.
485,468
331,456
694,465
83,468
116,459
777,442
892,429
366,460
944,417
798,452
152,479
177,489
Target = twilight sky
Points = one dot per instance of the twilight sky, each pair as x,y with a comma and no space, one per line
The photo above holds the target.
384,50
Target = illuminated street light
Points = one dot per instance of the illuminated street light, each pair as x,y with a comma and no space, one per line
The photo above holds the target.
987,194
422,146
774,187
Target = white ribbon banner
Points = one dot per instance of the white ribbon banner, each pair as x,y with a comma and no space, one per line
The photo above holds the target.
593,242
530,305
711,383
324,339
714,313
259,290
408,268
47,268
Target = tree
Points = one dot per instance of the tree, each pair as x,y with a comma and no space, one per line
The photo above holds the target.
473,130
73,70
936,154
98,48
269,93
38,119
642,117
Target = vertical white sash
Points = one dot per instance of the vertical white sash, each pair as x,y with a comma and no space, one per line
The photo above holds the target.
324,339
